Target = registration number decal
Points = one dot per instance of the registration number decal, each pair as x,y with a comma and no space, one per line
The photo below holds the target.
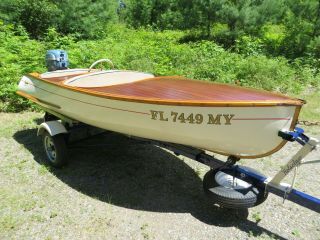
193,118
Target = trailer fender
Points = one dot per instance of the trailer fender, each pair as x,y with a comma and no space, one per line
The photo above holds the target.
52,127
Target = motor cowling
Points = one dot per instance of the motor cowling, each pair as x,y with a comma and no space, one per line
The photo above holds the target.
56,60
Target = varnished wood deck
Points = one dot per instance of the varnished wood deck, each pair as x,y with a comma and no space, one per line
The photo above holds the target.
178,90
181,89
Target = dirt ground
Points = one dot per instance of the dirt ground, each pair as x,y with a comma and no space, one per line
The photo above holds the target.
115,187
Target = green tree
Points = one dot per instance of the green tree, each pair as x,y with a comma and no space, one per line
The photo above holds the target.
35,15
161,14
211,11
139,13
302,26
8,10
86,19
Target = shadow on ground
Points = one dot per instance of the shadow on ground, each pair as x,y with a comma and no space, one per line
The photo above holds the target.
125,172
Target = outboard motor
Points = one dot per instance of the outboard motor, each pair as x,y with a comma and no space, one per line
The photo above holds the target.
56,60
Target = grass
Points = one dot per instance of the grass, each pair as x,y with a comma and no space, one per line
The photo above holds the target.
257,216
295,233
43,170
311,111
8,223
144,232
14,208
11,123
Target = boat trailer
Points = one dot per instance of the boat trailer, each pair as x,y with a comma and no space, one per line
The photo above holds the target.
266,184
227,184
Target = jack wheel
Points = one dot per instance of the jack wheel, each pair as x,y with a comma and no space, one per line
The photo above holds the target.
231,192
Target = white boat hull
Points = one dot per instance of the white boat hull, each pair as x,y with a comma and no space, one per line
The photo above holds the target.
247,132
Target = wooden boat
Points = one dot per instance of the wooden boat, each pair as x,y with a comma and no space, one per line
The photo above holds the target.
227,119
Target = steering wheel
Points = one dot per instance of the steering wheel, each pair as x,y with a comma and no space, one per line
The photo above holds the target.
101,61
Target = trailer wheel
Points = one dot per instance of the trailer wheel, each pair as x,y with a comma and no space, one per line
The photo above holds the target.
55,149
230,192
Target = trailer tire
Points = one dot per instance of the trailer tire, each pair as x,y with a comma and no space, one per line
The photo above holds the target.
55,149
245,195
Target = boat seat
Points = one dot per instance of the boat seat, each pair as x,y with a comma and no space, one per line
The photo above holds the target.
107,78
64,73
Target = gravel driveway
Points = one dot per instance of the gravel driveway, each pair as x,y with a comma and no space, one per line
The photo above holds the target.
118,188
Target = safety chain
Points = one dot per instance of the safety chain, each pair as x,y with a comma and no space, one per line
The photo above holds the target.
308,123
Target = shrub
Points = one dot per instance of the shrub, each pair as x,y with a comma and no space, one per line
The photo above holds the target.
19,56
37,16
144,50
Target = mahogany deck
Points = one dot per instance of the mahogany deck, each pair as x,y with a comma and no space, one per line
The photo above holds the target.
178,90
